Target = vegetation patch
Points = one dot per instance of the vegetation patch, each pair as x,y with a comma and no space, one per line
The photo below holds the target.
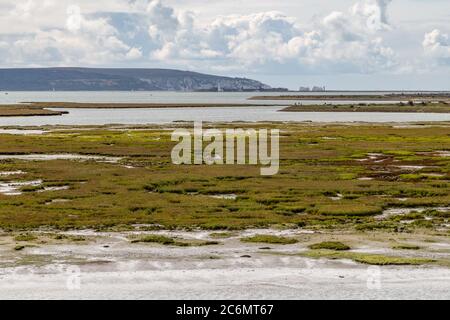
373,259
406,247
164,240
222,235
25,237
146,189
349,210
269,239
364,107
330,245
155,239
72,238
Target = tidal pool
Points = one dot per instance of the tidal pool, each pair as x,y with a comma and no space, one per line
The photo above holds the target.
63,156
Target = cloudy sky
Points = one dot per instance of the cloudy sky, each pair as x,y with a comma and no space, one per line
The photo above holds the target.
342,44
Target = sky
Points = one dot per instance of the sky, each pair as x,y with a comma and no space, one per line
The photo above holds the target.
340,44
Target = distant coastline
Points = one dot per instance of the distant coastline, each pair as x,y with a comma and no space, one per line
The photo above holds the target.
122,79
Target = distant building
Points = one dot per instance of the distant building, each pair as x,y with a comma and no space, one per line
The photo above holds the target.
304,89
318,89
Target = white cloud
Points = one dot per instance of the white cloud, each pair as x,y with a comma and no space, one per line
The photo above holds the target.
166,52
345,41
74,18
341,41
86,41
134,54
162,17
437,45
355,39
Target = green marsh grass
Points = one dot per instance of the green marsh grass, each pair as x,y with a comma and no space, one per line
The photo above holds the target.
365,258
330,245
269,239
154,192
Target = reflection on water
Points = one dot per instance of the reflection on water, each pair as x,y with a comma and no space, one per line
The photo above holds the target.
159,116
154,97
250,114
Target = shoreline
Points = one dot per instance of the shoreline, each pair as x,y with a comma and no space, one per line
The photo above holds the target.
370,108
362,97
95,105
30,109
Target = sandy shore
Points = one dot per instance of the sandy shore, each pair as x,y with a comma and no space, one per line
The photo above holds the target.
320,282
109,267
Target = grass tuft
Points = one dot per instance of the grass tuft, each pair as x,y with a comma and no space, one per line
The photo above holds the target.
330,245
222,235
350,210
269,239
25,237
365,258
406,247
154,239
171,242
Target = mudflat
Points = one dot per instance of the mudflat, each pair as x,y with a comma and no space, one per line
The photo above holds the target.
27,111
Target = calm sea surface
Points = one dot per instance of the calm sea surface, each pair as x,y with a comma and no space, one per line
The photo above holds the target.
150,116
